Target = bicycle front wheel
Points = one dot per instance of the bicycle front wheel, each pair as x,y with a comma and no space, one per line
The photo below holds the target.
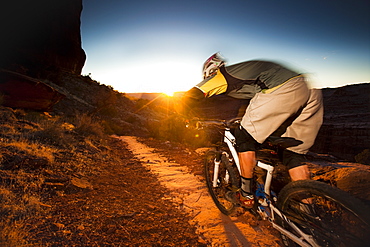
331,216
224,181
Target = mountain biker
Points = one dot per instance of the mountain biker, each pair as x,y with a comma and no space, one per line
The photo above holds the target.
279,97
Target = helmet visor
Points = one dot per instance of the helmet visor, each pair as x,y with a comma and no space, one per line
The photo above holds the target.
213,85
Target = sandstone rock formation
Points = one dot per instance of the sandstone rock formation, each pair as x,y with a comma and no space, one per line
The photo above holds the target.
20,91
40,40
41,37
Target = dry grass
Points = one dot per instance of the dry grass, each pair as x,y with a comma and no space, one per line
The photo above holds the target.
86,125
12,235
32,149
14,208
35,146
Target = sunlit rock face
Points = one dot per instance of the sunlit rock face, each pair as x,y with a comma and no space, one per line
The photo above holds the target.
41,37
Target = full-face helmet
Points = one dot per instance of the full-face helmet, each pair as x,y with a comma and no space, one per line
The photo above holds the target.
212,64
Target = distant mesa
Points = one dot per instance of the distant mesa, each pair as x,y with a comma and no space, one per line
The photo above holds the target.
151,96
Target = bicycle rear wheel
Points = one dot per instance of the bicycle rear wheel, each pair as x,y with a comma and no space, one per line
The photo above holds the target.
331,216
226,180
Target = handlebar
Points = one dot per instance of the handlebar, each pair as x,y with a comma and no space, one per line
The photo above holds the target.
200,124
221,125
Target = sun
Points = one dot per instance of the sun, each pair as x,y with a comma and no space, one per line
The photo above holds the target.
169,93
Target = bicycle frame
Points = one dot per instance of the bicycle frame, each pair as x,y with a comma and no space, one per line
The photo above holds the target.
265,194
229,139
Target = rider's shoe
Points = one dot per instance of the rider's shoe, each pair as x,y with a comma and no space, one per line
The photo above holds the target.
245,201
238,198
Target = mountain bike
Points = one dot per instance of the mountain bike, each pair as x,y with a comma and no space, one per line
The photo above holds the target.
305,212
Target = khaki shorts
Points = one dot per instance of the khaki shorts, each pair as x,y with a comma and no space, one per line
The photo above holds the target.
268,111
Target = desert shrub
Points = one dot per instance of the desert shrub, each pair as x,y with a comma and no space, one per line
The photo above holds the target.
24,154
108,111
54,132
36,127
174,128
31,148
111,127
7,115
17,206
13,234
141,104
107,103
132,119
86,125
35,116
8,130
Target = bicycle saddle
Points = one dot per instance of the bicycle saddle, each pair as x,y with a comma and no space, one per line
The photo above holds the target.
284,142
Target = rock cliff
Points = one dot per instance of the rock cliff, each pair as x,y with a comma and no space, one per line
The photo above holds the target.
41,37
345,132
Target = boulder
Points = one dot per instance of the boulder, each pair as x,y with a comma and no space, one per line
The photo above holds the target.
20,91
78,185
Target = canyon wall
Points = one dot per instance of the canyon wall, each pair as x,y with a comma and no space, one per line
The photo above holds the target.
41,37
345,132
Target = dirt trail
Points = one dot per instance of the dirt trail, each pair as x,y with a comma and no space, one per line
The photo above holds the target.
191,195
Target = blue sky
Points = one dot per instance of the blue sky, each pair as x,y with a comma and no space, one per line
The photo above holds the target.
160,46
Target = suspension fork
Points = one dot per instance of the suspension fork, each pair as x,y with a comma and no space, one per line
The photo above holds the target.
216,168
215,172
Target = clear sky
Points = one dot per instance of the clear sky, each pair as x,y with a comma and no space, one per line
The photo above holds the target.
160,45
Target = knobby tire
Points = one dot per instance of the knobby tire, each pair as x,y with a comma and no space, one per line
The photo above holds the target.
333,217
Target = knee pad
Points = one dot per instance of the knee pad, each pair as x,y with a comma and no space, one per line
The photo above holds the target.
292,159
244,141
